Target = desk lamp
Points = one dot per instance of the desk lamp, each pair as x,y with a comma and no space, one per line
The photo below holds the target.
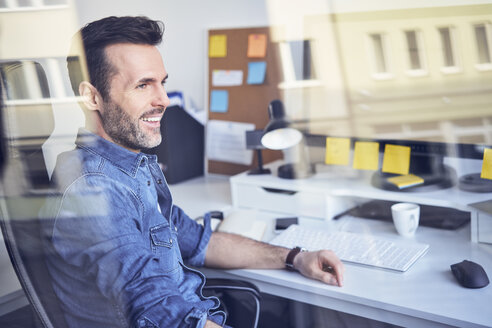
253,141
280,135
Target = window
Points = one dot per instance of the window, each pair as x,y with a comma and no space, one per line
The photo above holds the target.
450,63
378,43
482,38
30,4
301,59
380,58
297,64
415,53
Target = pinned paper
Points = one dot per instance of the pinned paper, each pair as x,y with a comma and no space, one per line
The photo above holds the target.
226,142
226,78
405,181
487,164
217,46
256,72
219,101
396,159
337,151
366,155
257,44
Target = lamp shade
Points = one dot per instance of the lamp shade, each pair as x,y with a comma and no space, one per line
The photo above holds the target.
278,134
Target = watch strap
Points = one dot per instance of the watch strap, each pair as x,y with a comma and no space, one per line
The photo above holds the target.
289,261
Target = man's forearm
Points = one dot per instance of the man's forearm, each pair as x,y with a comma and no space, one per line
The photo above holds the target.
230,251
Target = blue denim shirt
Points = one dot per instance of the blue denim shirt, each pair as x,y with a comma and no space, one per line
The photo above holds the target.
121,248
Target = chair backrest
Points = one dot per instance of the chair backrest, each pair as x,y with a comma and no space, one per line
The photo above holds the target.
28,125
25,247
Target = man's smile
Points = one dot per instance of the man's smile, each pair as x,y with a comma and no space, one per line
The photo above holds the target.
152,119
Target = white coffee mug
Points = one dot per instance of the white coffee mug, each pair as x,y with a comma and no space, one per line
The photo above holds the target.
406,218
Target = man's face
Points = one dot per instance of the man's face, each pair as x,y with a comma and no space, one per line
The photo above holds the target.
137,98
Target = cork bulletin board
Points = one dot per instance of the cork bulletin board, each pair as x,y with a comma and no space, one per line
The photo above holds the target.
247,103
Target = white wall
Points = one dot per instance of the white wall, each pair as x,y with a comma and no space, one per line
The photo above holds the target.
186,21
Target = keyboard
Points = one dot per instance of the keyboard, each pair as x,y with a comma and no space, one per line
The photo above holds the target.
354,247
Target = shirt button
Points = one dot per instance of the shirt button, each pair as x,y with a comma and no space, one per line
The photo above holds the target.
148,182
170,241
176,229
141,323
159,181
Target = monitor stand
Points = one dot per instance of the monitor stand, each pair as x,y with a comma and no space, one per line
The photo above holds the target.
295,171
474,183
431,168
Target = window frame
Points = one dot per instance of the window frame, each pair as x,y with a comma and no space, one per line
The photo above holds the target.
457,63
288,66
488,36
419,41
385,51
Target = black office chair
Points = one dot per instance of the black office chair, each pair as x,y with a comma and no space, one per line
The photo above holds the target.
24,185
23,234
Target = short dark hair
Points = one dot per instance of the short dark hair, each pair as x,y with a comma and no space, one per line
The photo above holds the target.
98,35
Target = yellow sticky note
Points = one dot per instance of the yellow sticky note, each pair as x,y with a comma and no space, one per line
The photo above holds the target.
405,181
257,44
487,164
217,46
366,155
396,159
337,151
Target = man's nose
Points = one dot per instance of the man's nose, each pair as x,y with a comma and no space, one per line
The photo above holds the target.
160,98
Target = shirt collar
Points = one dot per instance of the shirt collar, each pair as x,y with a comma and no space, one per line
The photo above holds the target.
126,160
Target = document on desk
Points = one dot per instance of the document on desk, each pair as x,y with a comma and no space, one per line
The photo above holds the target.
226,142
244,223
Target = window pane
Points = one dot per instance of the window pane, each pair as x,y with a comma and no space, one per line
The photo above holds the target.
482,44
301,59
379,56
55,2
24,3
413,50
447,47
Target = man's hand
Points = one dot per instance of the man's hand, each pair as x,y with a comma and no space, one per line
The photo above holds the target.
223,250
321,265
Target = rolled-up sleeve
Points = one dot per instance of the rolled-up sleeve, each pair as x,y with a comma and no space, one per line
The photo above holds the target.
193,237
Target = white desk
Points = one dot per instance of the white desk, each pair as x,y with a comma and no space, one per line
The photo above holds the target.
426,295
335,190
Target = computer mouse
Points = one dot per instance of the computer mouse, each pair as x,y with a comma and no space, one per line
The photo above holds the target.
470,274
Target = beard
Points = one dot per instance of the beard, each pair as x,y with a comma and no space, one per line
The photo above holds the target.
126,131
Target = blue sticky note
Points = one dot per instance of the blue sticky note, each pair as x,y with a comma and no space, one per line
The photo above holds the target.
219,101
256,72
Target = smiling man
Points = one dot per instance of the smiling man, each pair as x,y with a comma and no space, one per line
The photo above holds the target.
120,247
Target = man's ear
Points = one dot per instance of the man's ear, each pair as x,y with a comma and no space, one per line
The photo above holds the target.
90,96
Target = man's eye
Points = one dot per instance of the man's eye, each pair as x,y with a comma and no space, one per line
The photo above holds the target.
141,86
163,82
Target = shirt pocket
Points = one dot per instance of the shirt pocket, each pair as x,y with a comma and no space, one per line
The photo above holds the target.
164,245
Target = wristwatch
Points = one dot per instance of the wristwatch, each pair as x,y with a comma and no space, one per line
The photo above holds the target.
289,261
